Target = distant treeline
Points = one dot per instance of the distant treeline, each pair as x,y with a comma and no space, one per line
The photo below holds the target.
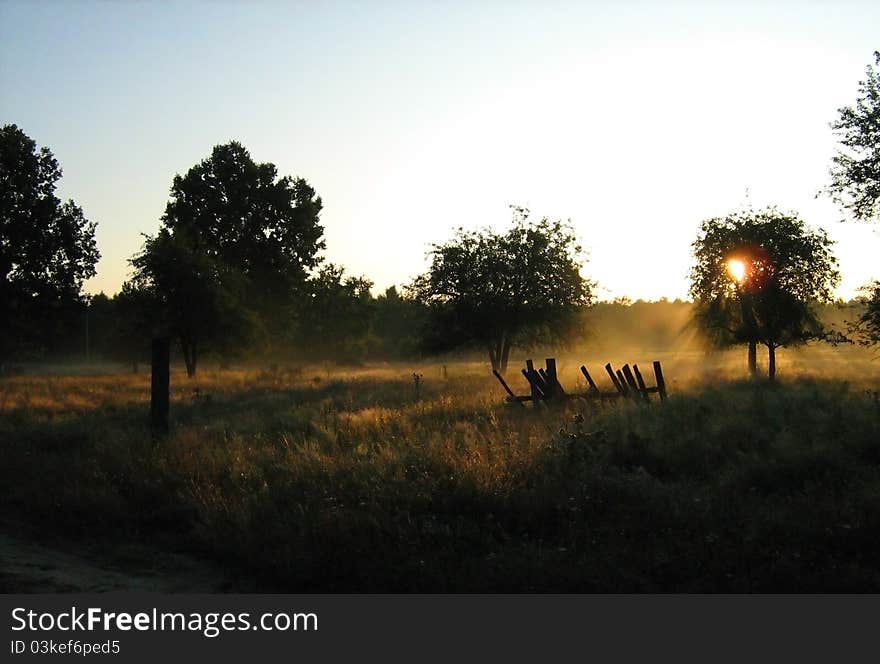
349,325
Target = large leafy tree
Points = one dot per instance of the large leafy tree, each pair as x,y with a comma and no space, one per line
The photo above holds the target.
499,289
241,213
47,248
235,250
855,174
757,277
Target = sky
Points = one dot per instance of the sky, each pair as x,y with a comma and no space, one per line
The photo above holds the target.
635,120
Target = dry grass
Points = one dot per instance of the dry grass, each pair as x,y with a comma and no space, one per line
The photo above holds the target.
338,480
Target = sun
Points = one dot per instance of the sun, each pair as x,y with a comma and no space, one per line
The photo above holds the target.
737,269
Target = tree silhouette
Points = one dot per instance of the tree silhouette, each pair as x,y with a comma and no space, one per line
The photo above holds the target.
242,214
235,251
117,325
496,289
335,317
397,324
756,278
47,248
855,175
867,326
194,296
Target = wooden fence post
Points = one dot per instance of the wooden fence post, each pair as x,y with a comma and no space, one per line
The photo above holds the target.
641,381
534,379
614,379
159,387
623,386
552,378
629,378
661,384
593,387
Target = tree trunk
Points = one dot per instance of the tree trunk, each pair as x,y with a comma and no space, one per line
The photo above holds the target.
494,359
190,356
753,359
505,355
771,362
499,350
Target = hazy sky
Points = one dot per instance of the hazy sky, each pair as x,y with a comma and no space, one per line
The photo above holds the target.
635,120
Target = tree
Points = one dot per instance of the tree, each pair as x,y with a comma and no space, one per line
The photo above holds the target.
116,325
334,319
397,323
192,296
756,279
235,251
867,326
855,175
496,290
240,213
47,248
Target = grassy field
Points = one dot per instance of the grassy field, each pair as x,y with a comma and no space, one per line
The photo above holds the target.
335,480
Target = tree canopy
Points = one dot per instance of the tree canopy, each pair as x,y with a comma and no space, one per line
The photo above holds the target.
756,278
242,214
495,289
234,253
47,248
855,174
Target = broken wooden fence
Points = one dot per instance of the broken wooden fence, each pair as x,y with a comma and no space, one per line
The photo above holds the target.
545,387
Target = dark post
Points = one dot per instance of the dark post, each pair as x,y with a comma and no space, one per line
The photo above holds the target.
593,386
641,381
622,381
159,384
552,378
631,381
628,377
534,378
614,380
661,384
507,389
534,382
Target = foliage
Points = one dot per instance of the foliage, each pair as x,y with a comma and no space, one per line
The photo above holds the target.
855,176
192,296
787,269
117,324
494,290
397,324
234,253
242,214
47,248
334,318
867,326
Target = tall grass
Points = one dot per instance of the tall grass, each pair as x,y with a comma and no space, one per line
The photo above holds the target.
331,480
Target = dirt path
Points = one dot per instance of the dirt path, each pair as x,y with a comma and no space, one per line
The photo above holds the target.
26,567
